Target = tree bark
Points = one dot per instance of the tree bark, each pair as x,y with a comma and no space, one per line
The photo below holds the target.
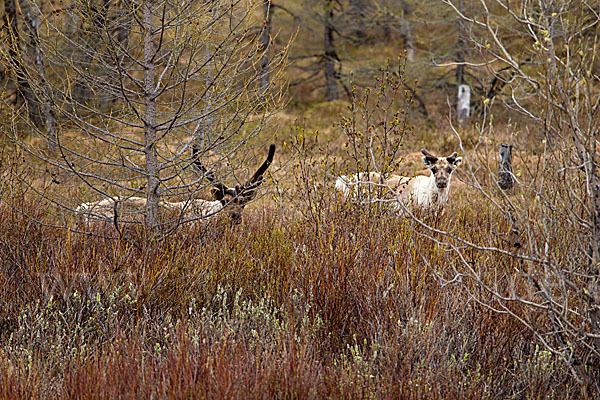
356,12
32,23
406,32
23,88
463,103
331,89
265,47
124,29
153,181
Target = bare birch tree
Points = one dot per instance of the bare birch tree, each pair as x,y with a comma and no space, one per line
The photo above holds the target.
135,87
265,46
550,241
330,57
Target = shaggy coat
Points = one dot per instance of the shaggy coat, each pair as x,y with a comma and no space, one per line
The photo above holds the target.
426,192
232,200
129,209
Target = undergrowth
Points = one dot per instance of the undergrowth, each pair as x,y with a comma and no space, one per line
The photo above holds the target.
359,308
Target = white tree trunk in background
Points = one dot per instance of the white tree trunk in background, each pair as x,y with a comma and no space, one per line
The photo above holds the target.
463,104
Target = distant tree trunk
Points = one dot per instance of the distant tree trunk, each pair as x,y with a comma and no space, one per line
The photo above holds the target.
11,26
83,89
35,55
406,32
124,28
460,47
356,12
71,28
124,17
201,137
463,103
150,131
265,46
331,89
22,86
419,102
77,45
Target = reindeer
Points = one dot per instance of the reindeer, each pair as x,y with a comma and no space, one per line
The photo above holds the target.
228,199
426,192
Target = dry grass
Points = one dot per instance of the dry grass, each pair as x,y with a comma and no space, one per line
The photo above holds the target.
351,309
307,298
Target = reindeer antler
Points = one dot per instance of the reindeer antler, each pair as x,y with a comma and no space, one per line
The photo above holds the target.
248,190
256,179
452,157
427,154
429,158
208,174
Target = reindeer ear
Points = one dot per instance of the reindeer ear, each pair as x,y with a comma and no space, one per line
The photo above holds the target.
457,161
249,194
216,193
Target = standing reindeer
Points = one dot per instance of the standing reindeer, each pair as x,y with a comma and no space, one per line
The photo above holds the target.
426,192
231,200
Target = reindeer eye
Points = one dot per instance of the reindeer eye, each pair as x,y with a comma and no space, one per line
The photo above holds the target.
434,169
449,169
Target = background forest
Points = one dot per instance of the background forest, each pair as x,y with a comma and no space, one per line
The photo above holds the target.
157,103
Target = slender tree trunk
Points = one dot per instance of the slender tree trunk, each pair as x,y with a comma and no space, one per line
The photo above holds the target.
460,47
265,47
356,12
32,23
72,48
331,89
84,91
124,28
460,68
463,103
77,47
11,26
406,32
150,152
23,88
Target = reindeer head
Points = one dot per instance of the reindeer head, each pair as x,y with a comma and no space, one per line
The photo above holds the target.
441,168
235,198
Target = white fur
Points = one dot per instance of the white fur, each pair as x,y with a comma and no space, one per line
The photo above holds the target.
196,208
345,184
424,193
420,191
104,209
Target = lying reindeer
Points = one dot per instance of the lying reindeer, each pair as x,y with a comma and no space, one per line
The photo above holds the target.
231,200
426,192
